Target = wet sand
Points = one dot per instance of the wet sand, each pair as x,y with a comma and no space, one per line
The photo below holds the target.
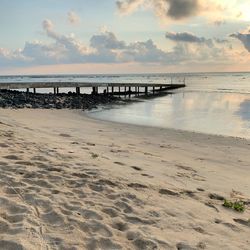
71,182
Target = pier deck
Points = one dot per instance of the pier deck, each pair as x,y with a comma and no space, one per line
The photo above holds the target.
111,88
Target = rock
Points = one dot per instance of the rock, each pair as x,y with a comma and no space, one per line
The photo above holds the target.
17,99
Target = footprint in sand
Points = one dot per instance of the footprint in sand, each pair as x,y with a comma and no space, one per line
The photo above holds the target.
10,245
102,243
136,168
243,222
137,185
227,224
65,135
209,204
218,197
147,175
12,157
112,212
183,167
184,246
119,163
120,225
168,192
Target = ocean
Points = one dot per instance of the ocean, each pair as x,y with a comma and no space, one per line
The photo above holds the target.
212,103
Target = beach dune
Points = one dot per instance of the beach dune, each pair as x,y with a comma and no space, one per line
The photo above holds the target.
71,182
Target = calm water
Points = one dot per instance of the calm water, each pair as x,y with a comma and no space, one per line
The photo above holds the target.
211,103
214,103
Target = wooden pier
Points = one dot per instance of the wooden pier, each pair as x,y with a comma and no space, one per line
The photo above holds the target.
107,88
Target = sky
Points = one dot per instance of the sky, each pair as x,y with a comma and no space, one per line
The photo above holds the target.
124,36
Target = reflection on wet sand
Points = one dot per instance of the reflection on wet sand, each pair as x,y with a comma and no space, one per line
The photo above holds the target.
213,113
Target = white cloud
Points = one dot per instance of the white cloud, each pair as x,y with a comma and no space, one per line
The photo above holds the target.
105,47
47,25
128,6
73,18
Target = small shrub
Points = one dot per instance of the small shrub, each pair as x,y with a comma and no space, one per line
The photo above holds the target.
238,206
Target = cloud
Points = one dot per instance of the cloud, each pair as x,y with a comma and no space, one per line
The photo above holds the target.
128,6
65,46
106,40
176,10
47,25
105,47
185,37
179,9
12,57
244,37
73,18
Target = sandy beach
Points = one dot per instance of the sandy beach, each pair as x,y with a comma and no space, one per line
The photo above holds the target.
71,182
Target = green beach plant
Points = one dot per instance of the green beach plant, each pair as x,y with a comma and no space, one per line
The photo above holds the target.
238,206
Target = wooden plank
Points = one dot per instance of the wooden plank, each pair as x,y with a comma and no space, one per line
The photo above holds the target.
23,85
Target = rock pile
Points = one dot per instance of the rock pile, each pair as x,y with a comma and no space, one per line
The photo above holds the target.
17,99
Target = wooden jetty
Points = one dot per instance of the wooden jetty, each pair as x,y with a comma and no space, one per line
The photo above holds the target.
108,88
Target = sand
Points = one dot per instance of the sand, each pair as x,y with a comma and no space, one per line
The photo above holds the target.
71,182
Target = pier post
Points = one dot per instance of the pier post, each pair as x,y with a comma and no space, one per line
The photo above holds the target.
112,89
34,90
153,89
57,90
95,90
27,90
54,91
146,90
125,91
129,90
78,90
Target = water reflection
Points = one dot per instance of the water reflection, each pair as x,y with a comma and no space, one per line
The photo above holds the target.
244,110
213,113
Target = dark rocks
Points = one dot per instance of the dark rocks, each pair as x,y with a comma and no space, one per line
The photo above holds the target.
17,99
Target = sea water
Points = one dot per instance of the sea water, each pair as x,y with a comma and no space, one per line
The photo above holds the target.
213,103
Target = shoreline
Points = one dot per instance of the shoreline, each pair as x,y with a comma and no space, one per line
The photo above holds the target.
191,132
91,184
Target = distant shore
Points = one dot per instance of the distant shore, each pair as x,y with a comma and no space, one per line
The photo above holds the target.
68,181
